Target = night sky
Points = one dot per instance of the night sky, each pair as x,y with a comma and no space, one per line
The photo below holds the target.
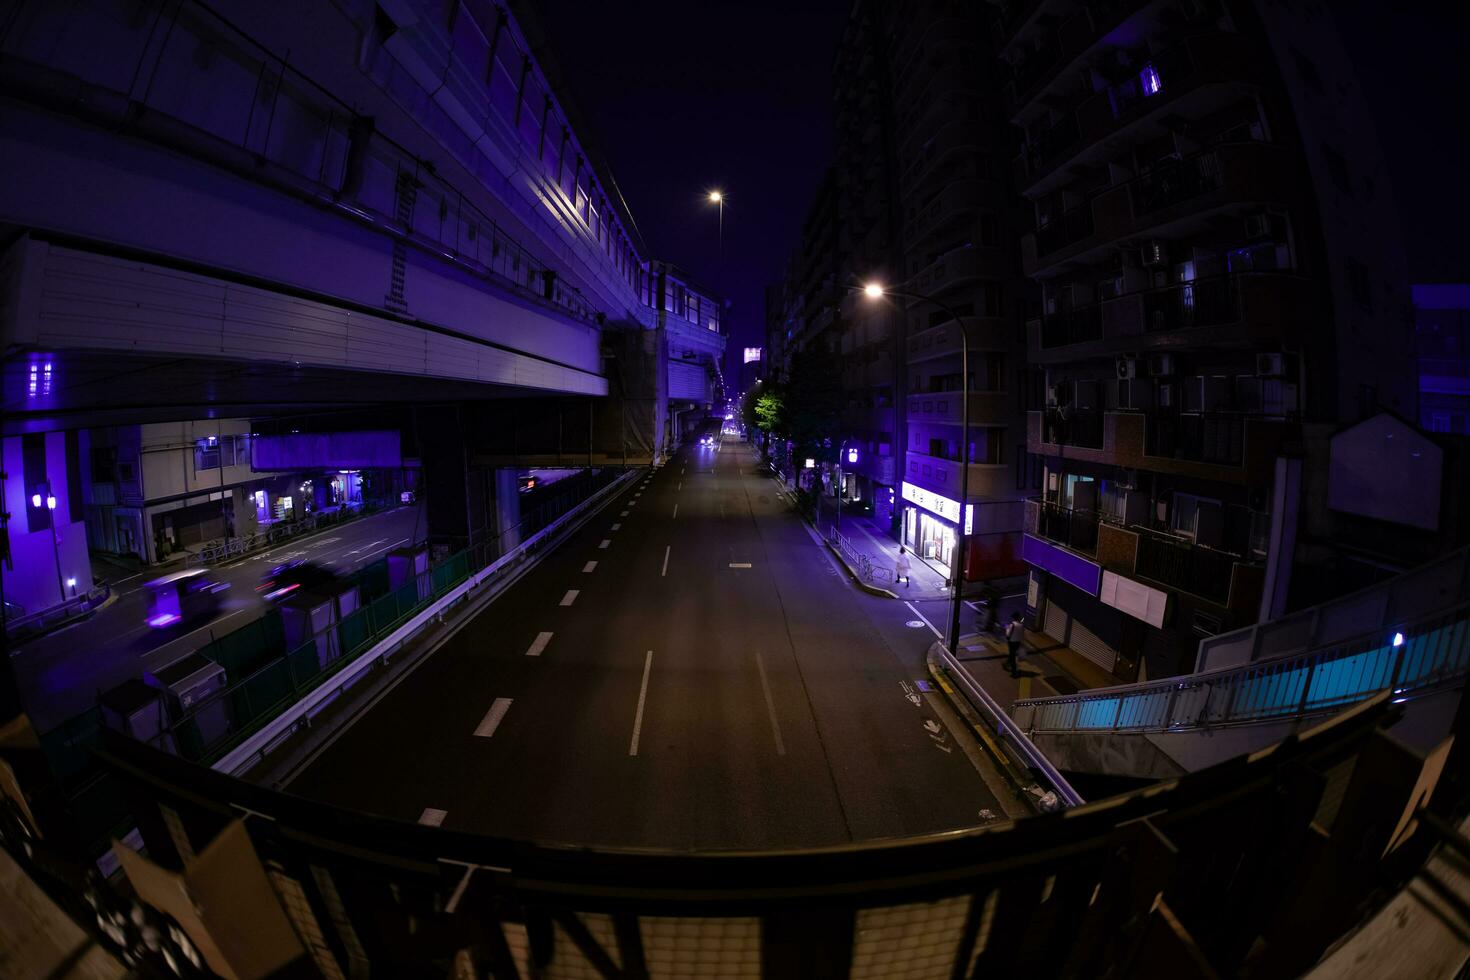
683,96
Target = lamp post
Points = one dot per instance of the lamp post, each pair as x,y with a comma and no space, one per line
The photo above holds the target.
875,290
718,198
43,495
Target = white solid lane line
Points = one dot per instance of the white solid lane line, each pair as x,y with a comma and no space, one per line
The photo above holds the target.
642,696
606,542
590,566
770,705
571,597
538,644
923,617
666,560
433,817
497,711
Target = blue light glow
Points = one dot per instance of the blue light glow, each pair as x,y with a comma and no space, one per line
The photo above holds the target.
1398,639
1150,80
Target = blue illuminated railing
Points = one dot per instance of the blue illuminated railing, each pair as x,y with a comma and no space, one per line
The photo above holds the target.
1417,659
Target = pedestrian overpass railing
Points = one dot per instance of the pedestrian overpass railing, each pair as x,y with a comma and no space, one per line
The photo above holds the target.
1414,659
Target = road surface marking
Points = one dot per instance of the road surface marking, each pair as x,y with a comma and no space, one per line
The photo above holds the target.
642,696
432,817
676,512
590,566
770,705
666,560
492,718
679,487
538,644
570,597
740,564
616,526
605,543
923,617
623,514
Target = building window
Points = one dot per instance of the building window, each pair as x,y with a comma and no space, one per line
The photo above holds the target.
989,299
213,452
1149,81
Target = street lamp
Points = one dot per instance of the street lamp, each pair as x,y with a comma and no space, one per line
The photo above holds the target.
718,198
43,495
874,290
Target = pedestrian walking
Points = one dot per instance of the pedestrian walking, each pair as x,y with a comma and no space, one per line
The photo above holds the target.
902,567
1014,632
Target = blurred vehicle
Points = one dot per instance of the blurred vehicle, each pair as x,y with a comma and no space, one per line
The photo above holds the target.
184,597
706,440
291,577
525,483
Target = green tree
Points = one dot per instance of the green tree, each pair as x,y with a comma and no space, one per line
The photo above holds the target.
813,405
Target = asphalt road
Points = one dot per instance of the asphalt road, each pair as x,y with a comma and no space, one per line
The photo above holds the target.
61,673
689,670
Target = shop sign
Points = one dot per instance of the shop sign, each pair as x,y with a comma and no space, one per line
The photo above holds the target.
939,506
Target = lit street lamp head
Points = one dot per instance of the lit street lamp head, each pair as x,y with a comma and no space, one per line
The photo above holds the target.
715,197
872,290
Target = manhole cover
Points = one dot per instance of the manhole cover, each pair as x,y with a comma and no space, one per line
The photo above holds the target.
915,624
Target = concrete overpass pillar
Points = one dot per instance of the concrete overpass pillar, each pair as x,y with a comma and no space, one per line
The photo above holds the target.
507,508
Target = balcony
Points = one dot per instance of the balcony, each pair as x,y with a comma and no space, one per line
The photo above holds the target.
1233,309
1192,78
953,269
987,480
944,407
1198,437
956,203
1175,198
1082,428
953,136
1181,564
1075,529
983,333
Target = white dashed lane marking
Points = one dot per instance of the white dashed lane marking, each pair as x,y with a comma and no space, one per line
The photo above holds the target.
538,644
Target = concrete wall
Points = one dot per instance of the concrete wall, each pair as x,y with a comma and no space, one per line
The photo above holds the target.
42,564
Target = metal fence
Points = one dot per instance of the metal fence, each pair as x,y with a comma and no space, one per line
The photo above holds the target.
1419,658
867,568
1222,872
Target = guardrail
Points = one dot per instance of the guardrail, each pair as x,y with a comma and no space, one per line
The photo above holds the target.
866,568
77,605
437,596
1416,659
1011,736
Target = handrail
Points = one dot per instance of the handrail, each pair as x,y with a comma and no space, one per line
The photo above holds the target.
1415,659
1007,730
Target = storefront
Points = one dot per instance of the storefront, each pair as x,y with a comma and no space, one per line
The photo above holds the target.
930,525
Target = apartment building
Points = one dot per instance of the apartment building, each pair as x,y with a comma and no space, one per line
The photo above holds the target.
1215,268
1442,342
956,234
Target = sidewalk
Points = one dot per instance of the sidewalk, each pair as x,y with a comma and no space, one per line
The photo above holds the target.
1047,668
927,582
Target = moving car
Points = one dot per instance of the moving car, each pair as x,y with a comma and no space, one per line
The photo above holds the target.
291,577
706,440
184,597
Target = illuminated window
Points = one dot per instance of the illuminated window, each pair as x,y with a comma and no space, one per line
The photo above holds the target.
1150,81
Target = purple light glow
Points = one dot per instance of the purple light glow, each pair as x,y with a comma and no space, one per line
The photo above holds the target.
161,620
1150,80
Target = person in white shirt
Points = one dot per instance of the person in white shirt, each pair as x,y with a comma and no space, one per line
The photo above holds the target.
1015,632
902,567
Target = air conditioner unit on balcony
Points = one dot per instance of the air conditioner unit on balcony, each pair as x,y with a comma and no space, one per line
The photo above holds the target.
1155,253
1270,365
1258,225
1161,365
1127,367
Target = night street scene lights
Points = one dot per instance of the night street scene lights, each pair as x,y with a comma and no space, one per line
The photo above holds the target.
959,563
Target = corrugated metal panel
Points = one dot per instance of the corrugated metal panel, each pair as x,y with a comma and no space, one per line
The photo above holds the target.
1054,624
688,382
1091,646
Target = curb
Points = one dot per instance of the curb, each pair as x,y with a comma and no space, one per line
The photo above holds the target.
856,580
